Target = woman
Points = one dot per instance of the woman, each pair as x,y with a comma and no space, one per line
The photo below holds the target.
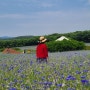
42,50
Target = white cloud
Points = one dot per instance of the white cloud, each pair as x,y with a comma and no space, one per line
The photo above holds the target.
50,15
58,21
48,21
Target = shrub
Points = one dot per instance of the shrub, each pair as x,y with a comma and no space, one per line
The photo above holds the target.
87,48
17,49
1,49
65,45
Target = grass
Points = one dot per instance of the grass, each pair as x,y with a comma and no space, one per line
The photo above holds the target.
87,48
64,71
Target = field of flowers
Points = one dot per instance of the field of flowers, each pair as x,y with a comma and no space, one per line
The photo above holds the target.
64,71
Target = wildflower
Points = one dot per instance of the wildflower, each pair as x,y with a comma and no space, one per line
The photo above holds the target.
78,72
31,62
62,76
59,85
71,88
19,71
22,86
85,70
85,82
47,83
15,80
83,77
12,88
70,77
42,67
3,85
27,87
11,68
5,79
81,65
43,78
23,76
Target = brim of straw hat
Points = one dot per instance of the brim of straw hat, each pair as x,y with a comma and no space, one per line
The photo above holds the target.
44,40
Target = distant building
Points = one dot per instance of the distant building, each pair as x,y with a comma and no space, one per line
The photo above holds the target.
62,38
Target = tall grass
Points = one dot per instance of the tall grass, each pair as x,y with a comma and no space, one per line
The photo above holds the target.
64,71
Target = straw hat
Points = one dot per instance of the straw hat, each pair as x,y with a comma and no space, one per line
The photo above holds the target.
42,39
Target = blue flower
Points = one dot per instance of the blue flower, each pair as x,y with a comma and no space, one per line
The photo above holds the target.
43,77
70,77
71,88
83,77
11,68
27,87
59,85
31,62
12,88
15,80
85,70
78,72
84,81
19,71
47,83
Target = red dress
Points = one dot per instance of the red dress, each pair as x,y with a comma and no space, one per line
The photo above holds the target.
41,51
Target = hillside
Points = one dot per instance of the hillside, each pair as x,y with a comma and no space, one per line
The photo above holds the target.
33,40
78,35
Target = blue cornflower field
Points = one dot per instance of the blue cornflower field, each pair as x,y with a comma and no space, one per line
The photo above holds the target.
64,71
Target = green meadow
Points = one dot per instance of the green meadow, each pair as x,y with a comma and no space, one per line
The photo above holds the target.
64,71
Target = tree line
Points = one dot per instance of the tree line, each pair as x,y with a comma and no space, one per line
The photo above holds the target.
33,40
78,35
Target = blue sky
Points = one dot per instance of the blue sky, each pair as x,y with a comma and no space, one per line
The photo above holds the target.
43,17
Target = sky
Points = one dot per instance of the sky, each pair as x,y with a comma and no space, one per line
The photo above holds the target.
43,17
